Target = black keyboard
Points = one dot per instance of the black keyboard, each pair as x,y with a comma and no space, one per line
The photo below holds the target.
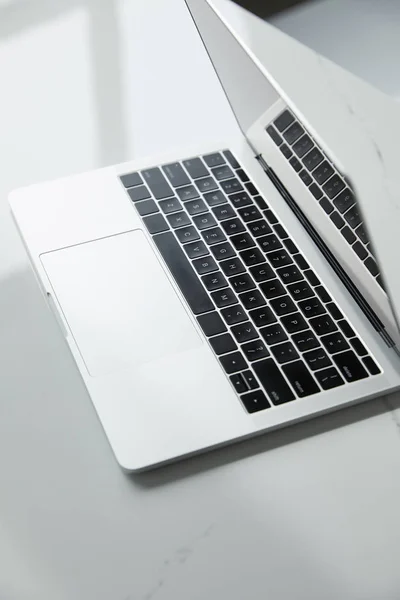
275,329
326,184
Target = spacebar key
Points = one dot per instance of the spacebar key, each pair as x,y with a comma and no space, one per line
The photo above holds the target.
183,273
273,381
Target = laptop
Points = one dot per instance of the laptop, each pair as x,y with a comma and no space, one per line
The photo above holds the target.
221,292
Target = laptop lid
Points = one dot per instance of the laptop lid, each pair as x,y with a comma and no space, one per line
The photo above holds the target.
356,124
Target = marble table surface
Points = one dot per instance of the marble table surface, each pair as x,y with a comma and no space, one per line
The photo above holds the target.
310,512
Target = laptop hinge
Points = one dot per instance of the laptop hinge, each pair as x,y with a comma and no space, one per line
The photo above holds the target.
328,255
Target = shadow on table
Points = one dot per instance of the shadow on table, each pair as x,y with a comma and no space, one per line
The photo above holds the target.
269,441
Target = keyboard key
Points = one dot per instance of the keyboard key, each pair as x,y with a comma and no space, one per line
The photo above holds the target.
350,366
300,379
196,249
251,188
273,382
213,236
195,167
213,281
252,299
274,135
187,193
204,221
347,329
313,159
358,346
222,172
222,344
211,323
353,217
269,215
233,362
305,340
179,219
187,234
205,265
360,250
255,350
234,314
240,200
231,159
195,207
139,193
316,191
371,365
242,241
262,205
215,198
293,133
182,271
262,316
262,272
171,205
294,323
335,342
273,334
334,310
303,145
337,220
176,175
289,274
323,172
323,324
280,258
230,186
286,151
146,207
284,352
323,294
348,234
238,383
242,175
207,184
371,266
326,205
333,186
329,378
317,359
244,332
269,242
223,212
155,223
242,283
224,297
250,213
233,226
214,160
258,228
344,200
284,120
296,164
311,307
131,179
305,177
283,305
252,256
300,291
302,263
272,288
232,266
311,277
157,183
223,251
362,234
255,401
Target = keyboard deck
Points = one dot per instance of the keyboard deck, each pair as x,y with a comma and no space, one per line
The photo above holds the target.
275,329
326,184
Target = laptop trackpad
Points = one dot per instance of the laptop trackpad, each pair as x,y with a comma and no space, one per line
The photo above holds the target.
118,302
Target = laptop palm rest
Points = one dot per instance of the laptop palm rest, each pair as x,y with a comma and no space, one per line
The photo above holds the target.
118,302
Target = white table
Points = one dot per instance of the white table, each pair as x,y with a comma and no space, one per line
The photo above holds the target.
310,512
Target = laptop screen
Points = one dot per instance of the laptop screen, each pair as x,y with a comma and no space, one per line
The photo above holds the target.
361,36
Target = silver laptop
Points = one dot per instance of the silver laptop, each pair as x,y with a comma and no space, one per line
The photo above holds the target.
222,292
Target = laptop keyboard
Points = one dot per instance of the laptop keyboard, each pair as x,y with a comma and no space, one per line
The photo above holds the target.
275,329
325,183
